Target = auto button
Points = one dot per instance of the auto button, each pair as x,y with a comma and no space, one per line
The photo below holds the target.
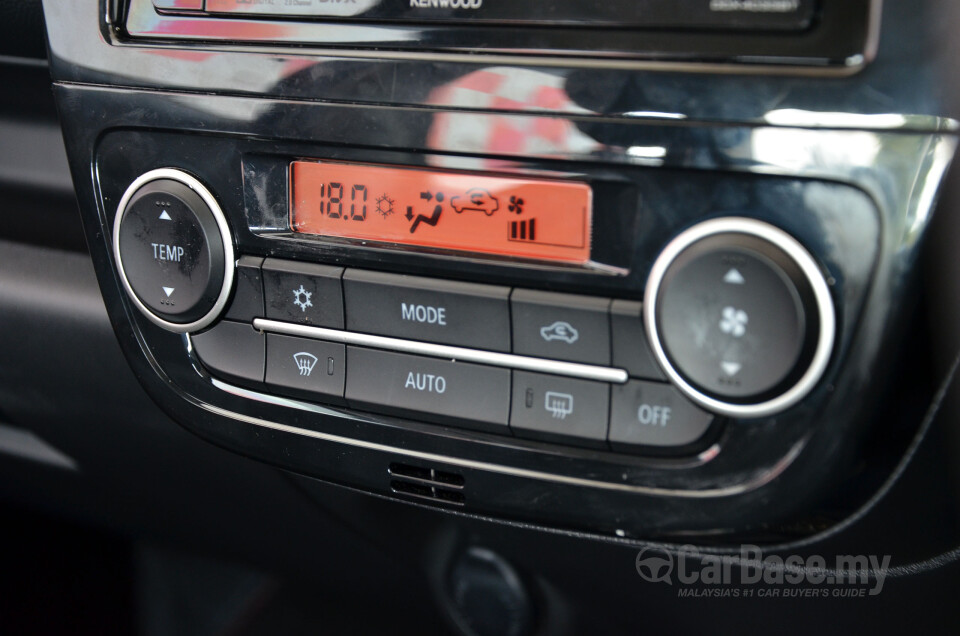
404,384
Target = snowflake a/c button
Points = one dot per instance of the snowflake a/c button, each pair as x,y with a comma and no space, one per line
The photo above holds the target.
304,293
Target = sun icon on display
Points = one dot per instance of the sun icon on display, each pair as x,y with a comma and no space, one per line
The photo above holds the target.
384,205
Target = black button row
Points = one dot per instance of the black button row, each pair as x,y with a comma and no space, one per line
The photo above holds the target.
525,322
534,405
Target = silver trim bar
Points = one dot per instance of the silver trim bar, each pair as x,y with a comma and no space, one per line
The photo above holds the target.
752,482
492,358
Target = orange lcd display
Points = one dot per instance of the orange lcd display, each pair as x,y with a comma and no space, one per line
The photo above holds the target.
526,218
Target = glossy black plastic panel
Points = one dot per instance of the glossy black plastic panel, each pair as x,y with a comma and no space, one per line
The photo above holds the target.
835,37
845,166
689,14
899,84
848,251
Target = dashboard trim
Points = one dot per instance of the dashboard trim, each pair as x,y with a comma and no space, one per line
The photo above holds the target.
463,354
853,182
751,484
379,40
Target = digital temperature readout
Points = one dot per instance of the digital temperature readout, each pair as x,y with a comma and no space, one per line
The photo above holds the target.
525,218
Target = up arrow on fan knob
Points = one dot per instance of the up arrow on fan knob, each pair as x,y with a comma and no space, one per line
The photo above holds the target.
734,277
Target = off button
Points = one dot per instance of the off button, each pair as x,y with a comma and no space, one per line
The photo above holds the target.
654,414
172,253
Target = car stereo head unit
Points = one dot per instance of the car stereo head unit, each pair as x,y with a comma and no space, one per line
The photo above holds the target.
808,36
732,15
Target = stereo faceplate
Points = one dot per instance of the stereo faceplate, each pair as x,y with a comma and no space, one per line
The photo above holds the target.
829,37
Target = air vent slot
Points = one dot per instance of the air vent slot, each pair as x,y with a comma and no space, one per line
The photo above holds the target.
427,483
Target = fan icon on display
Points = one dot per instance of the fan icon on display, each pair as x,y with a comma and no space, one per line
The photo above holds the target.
734,322
516,205
305,362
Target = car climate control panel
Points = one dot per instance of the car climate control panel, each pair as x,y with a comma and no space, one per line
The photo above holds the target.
571,284
737,321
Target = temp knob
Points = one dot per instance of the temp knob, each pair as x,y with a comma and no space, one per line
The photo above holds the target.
173,250
740,317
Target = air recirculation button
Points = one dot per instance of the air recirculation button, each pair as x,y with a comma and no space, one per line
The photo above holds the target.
740,317
173,248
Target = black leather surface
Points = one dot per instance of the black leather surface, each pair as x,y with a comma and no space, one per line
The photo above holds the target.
21,29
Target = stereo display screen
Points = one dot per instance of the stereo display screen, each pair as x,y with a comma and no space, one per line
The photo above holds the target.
526,218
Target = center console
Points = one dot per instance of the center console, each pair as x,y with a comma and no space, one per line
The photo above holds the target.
544,286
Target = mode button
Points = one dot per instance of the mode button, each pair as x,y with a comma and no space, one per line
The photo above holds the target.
427,309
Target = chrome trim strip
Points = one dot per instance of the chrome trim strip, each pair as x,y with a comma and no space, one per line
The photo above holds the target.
24,444
228,255
786,67
810,119
752,483
18,60
424,481
492,358
806,263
